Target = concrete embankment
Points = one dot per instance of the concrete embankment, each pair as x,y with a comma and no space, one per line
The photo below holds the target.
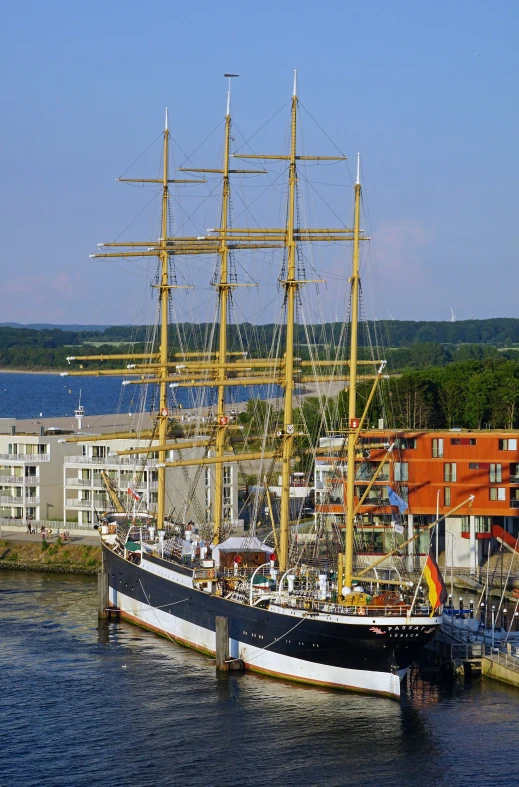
56,557
503,668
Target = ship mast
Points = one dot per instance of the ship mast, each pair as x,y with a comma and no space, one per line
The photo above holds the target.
223,294
290,285
164,288
352,394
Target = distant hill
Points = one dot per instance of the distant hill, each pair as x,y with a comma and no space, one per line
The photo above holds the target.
44,326
497,331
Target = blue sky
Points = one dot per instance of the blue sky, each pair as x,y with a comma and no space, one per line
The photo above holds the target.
426,91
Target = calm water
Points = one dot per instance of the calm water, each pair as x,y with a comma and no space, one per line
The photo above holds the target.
29,395
118,707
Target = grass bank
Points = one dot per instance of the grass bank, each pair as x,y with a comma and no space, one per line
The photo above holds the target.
60,558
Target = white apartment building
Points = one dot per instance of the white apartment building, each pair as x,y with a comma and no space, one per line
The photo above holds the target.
189,490
31,472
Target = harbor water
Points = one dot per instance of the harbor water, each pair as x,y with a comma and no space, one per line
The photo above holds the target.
84,705
51,396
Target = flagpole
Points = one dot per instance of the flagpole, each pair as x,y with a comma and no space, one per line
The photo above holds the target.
437,517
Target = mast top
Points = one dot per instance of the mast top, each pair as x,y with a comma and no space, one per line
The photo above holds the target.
358,169
294,93
166,122
229,77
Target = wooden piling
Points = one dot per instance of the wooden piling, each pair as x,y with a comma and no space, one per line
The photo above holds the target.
222,643
102,593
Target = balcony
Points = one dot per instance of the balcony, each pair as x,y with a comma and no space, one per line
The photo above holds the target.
75,503
78,482
19,501
26,458
109,461
93,502
366,477
514,479
514,503
373,500
11,479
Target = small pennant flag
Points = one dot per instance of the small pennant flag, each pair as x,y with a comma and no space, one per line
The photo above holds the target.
435,583
397,527
133,493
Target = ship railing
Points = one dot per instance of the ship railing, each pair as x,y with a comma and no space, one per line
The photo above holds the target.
305,600
246,573
203,574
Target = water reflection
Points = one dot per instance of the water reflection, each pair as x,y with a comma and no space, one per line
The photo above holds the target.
88,704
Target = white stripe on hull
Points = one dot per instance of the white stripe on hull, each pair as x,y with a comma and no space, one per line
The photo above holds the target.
258,659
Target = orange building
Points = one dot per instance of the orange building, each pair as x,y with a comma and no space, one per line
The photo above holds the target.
430,470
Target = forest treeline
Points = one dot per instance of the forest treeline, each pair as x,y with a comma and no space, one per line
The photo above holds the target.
408,344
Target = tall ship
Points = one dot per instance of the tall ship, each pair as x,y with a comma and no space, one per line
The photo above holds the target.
315,614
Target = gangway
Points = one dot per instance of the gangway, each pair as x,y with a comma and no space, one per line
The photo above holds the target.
505,538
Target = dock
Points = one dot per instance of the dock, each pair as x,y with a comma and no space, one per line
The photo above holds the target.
502,666
457,651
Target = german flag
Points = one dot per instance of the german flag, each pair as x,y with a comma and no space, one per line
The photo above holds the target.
435,583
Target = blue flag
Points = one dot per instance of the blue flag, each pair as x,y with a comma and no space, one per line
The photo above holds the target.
396,501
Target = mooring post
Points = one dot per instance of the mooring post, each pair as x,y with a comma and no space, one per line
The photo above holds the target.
222,643
102,593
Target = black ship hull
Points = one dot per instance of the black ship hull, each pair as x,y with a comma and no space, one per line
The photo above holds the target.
367,654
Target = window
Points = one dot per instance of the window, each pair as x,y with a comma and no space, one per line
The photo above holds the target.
437,447
401,471
508,445
482,524
404,493
447,496
42,449
405,442
99,451
473,466
463,441
449,471
497,493
495,475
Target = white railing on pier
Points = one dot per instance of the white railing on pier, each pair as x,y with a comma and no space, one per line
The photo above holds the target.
36,524
507,655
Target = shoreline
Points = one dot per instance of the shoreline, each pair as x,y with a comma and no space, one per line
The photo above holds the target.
9,565
54,557
28,371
